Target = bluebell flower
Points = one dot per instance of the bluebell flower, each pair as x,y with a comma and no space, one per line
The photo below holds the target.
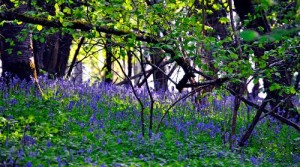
220,154
28,140
6,142
80,151
20,153
71,154
254,161
70,105
117,165
185,157
84,139
10,160
141,156
59,161
91,129
296,158
130,152
32,154
88,160
242,158
119,141
129,133
10,117
180,158
28,164
89,150
49,144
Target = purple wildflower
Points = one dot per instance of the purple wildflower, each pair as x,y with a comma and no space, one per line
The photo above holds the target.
59,161
88,160
49,144
130,152
29,164
20,153
254,161
28,140
119,141
141,156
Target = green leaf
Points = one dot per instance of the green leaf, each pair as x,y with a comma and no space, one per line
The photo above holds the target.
67,10
42,39
274,86
267,3
49,17
262,64
109,76
39,27
249,35
293,90
30,119
216,6
224,20
56,6
9,51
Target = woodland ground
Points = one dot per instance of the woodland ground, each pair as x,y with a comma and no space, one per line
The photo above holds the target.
99,125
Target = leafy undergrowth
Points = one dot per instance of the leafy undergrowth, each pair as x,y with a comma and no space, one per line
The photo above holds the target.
81,125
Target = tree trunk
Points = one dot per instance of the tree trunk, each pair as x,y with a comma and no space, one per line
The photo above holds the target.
109,56
159,77
129,64
63,54
16,49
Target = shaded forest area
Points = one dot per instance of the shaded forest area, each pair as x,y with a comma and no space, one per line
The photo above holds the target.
208,50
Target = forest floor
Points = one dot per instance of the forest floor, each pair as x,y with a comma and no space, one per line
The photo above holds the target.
100,125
